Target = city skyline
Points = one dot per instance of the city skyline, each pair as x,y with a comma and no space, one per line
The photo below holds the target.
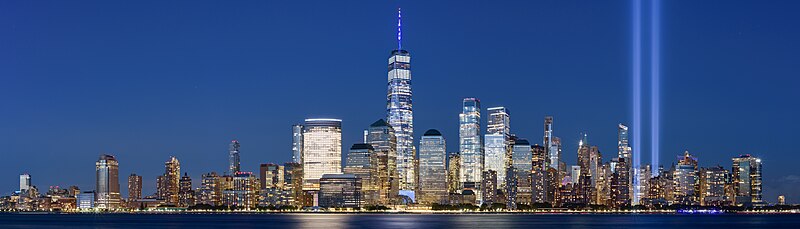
280,150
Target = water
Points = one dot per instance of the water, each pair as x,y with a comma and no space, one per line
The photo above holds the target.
391,221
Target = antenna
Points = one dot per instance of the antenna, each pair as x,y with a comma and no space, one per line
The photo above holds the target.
399,31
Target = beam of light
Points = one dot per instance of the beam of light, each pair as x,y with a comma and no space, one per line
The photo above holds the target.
655,59
637,89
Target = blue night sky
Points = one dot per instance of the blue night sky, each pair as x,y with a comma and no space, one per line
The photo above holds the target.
145,80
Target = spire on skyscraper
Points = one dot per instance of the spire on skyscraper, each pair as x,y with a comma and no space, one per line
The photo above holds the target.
399,30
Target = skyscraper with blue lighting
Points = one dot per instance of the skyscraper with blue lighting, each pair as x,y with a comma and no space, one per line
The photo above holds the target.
398,110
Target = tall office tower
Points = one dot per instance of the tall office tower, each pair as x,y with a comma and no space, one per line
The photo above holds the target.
234,166
584,180
781,200
539,174
185,192
293,182
134,187
553,183
363,163
642,180
244,193
747,180
562,167
271,176
489,186
686,180
24,182
432,168
623,147
209,192
471,145
712,186
574,174
620,185
603,186
552,149
497,142
322,150
624,150
522,162
398,110
169,182
297,143
454,172
384,143
107,190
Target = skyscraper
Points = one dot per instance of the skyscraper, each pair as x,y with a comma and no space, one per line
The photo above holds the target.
363,163
384,143
552,148
24,182
539,174
322,150
747,180
522,162
297,143
712,186
398,110
169,183
210,191
233,158
471,145
244,191
686,182
107,189
432,168
497,143
454,172
185,192
134,187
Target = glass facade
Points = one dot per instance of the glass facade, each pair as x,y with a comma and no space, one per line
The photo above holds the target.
381,136
432,168
400,116
297,144
340,191
234,166
363,162
107,189
322,150
522,162
471,144
686,182
747,180
497,143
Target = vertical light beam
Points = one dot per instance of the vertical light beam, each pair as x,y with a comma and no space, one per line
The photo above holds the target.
637,89
655,97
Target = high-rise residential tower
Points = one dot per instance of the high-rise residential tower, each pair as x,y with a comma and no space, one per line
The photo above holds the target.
471,145
553,149
322,150
234,165
134,187
398,110
185,192
686,180
297,143
169,183
497,142
107,187
432,168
